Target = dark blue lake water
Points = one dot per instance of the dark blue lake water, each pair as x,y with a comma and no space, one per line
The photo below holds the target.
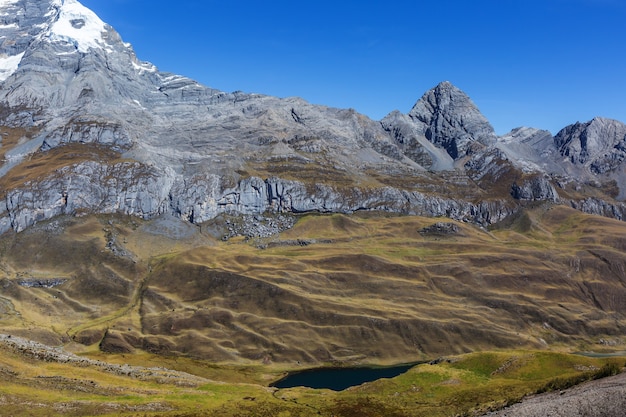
338,379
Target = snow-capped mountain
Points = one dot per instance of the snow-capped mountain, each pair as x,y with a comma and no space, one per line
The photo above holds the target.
87,127
66,23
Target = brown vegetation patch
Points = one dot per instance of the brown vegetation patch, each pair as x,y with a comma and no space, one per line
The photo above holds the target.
89,336
13,136
307,171
42,164
377,289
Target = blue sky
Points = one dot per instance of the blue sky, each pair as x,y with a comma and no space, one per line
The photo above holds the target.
539,63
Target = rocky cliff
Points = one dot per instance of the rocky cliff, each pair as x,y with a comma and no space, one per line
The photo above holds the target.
87,127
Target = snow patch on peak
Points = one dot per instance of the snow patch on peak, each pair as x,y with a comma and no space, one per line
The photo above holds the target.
4,3
144,66
78,25
8,65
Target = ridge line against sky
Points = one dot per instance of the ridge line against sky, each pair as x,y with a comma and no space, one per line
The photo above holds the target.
543,64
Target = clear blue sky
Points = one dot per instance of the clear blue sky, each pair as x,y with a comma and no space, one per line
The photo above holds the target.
539,63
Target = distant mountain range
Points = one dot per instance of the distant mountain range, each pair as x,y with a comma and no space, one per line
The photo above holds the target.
86,127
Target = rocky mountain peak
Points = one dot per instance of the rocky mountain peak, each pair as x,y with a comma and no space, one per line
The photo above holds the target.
46,44
60,63
450,119
87,127
599,144
76,24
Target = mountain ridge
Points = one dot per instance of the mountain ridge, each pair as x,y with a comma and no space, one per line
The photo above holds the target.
198,152
146,219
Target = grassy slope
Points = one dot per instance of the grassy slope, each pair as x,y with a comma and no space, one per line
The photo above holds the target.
335,289
457,386
377,290
357,289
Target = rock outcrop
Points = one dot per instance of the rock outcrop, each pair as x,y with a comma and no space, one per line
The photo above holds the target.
127,187
534,188
133,189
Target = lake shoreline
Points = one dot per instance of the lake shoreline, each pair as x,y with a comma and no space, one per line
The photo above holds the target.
338,378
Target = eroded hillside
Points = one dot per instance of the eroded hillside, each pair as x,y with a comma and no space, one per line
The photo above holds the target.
333,289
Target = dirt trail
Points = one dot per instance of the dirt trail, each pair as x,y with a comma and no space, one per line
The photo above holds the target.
133,304
600,398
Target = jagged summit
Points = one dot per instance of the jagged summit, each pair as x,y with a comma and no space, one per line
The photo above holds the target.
599,143
450,119
443,126
110,133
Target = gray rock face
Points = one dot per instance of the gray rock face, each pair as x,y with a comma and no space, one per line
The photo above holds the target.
411,139
599,144
616,210
532,150
134,189
196,152
440,229
89,130
487,168
599,398
41,283
533,189
494,166
126,187
449,119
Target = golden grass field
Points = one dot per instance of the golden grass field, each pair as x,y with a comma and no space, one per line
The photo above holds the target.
510,305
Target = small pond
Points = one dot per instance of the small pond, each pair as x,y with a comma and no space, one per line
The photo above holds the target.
338,379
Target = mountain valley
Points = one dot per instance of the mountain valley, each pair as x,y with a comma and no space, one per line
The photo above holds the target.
167,248
366,288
